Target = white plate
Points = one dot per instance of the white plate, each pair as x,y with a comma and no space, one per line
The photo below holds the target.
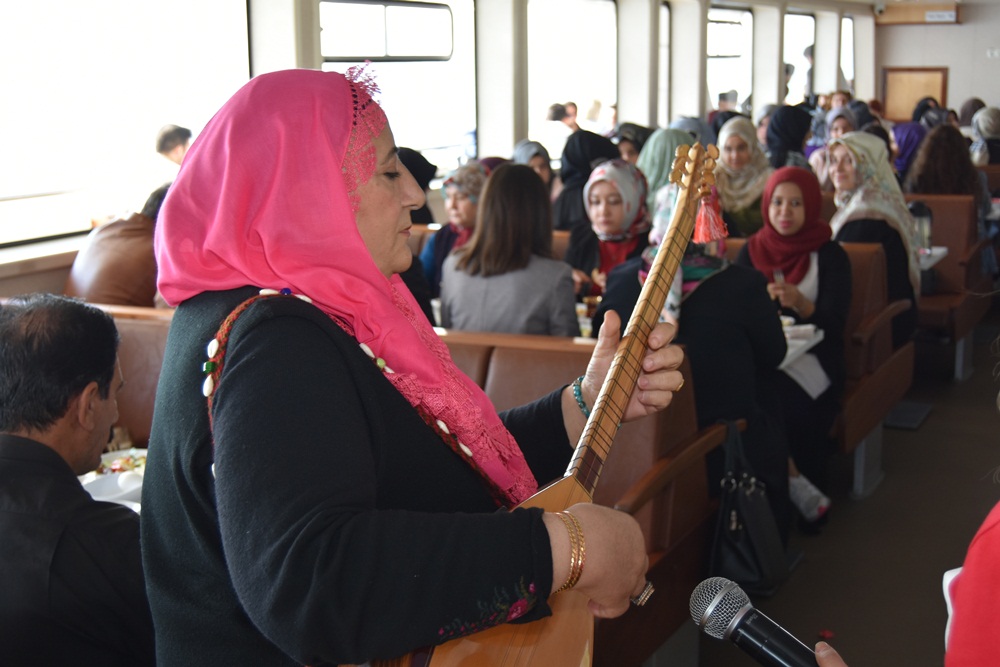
119,487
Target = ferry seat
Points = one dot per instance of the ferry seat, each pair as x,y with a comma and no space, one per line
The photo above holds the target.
143,338
960,297
878,376
992,172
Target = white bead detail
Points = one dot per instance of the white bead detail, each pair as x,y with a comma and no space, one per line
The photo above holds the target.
389,370
213,471
465,450
213,347
268,292
443,427
367,350
303,297
208,387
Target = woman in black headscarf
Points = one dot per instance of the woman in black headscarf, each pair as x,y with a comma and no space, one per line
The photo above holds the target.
584,150
786,137
922,106
423,171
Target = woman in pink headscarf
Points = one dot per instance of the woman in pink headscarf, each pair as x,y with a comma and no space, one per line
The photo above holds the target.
332,499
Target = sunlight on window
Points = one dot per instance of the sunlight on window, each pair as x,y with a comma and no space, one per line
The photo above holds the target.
730,55
431,105
800,32
574,63
87,86
847,49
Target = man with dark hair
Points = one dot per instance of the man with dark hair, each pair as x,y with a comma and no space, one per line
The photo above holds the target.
116,264
70,566
172,142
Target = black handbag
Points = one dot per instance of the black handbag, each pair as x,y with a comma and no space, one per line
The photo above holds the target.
746,545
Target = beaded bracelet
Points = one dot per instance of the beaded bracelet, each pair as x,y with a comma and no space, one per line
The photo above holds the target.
578,395
578,550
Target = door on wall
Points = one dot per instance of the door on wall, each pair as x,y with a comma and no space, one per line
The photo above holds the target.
903,87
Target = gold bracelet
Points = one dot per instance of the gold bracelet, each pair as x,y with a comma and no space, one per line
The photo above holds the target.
578,549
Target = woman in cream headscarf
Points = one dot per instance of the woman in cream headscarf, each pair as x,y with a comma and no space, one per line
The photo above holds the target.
740,175
986,131
871,209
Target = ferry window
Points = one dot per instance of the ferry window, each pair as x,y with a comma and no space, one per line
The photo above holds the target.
87,86
351,31
575,63
800,33
847,50
663,84
730,57
426,75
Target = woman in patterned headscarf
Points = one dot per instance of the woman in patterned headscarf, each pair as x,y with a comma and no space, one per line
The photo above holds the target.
533,154
740,176
615,197
871,209
584,150
335,498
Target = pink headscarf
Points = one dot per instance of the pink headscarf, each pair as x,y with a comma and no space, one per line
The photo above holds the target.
267,197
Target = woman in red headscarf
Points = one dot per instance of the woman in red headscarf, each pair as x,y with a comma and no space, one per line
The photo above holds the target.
809,275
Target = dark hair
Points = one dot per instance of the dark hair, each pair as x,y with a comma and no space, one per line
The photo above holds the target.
51,348
170,137
513,222
876,128
557,112
151,209
943,166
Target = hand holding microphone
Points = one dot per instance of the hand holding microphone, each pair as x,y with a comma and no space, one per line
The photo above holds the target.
722,610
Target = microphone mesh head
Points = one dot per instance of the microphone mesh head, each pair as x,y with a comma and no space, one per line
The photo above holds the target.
728,599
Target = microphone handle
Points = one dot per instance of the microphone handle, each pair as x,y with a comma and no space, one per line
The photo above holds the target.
770,644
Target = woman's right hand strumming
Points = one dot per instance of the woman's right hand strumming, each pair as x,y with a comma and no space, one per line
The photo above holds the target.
616,560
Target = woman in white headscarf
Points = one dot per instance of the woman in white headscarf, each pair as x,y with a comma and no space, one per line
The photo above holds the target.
986,131
740,176
871,209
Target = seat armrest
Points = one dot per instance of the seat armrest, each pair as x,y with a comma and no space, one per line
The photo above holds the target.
669,468
872,324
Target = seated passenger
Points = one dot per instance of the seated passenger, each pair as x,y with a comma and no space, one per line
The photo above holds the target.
839,122
740,176
116,264
656,161
533,154
787,133
615,196
696,128
173,142
809,275
70,566
966,112
732,337
630,139
986,133
504,279
583,150
423,172
908,137
943,167
871,209
462,188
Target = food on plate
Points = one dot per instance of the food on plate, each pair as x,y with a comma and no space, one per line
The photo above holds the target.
126,461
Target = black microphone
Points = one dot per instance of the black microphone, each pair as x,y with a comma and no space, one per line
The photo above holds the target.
722,610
